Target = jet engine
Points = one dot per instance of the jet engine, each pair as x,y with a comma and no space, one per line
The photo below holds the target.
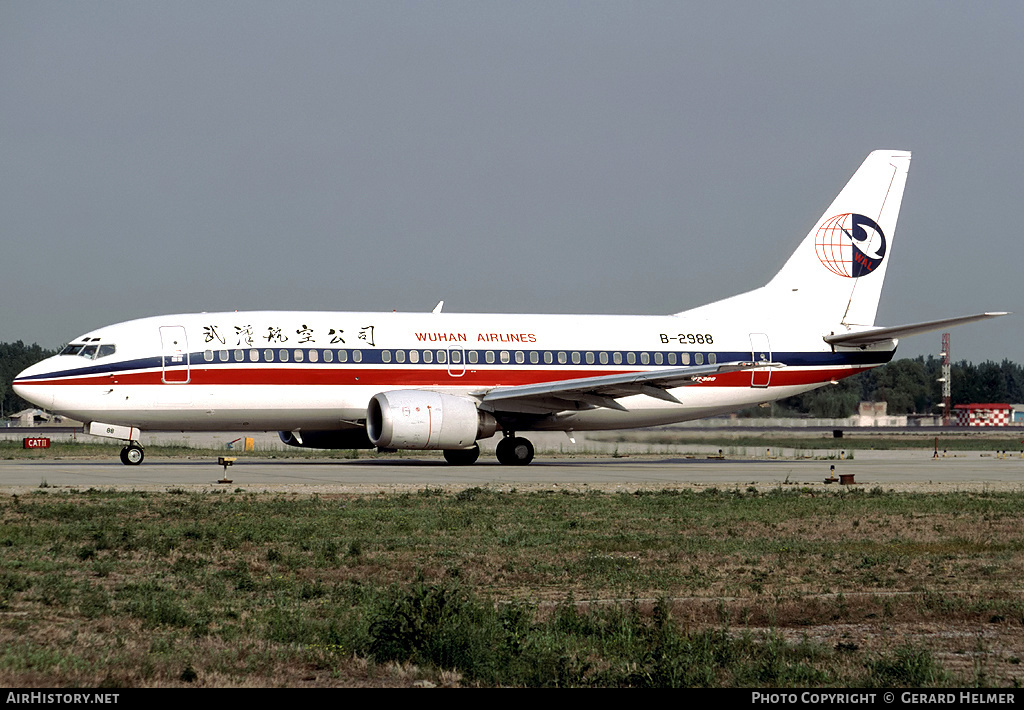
331,439
418,419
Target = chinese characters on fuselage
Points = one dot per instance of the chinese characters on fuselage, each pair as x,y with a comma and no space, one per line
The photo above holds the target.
304,334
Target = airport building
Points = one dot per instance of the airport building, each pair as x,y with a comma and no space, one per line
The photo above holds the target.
988,414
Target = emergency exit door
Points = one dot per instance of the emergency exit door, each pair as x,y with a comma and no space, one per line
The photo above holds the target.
760,351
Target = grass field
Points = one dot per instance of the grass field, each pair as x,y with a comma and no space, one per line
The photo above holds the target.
789,587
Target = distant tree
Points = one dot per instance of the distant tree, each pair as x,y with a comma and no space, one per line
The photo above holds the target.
15,357
908,386
911,386
987,382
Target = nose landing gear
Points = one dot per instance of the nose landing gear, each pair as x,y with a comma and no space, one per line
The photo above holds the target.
132,454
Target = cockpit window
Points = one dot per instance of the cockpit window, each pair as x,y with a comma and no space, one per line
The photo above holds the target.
89,352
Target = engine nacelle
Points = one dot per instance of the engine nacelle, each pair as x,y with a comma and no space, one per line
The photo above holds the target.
418,419
331,439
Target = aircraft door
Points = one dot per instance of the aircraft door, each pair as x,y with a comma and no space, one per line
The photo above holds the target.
760,351
456,361
174,354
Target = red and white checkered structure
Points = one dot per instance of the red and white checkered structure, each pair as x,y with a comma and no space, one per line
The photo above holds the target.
983,414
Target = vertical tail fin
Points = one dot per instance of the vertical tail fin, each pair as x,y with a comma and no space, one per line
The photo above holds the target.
836,273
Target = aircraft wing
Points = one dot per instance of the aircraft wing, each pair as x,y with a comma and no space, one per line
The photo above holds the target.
881,335
603,390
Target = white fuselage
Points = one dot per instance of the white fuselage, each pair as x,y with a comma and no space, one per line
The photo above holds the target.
277,370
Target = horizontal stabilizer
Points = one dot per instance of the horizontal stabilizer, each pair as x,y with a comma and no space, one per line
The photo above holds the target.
881,335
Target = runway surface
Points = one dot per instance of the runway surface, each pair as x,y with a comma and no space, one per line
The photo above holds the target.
899,470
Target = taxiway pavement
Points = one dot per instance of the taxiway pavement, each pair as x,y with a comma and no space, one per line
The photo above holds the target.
897,470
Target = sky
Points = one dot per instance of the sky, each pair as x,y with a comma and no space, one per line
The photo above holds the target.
555,157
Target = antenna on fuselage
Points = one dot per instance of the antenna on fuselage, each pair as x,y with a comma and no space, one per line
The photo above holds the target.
438,307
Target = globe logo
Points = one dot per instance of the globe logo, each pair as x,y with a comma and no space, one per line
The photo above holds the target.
850,245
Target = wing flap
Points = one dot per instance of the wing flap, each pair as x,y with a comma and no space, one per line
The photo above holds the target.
604,390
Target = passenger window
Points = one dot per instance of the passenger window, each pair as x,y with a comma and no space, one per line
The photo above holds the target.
712,359
223,355
208,355
328,356
385,355
562,359
314,356
617,358
239,355
631,358
548,357
456,357
474,357
698,358
645,358
254,355
603,357
414,356
575,358
428,356
343,356
534,357
520,357
357,356
685,358
590,358
399,356
671,358
268,355
658,359
489,357
504,356
442,357
283,355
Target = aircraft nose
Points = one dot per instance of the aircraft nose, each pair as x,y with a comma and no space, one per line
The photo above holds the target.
26,386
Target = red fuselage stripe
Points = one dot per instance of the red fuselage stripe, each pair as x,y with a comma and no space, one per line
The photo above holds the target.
392,377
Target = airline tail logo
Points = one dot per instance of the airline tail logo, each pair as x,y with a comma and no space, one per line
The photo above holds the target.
850,245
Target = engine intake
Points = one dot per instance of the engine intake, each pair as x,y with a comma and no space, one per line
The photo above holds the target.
418,419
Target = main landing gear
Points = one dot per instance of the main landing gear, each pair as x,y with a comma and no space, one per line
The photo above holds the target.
132,454
462,457
511,451
514,450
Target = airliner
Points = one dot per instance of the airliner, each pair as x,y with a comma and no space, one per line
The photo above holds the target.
444,381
